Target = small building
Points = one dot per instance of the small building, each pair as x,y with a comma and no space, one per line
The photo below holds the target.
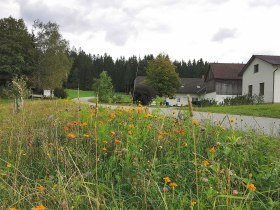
261,76
223,80
192,87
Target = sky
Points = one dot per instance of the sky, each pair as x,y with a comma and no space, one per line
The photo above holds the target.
225,31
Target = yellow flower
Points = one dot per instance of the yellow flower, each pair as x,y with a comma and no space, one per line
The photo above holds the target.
148,127
105,142
195,122
173,184
212,150
167,179
71,135
251,186
40,188
104,149
40,207
148,115
113,133
205,162
9,165
12,209
129,132
193,202
86,135
231,120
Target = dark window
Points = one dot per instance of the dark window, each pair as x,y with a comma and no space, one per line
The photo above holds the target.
256,68
262,89
250,90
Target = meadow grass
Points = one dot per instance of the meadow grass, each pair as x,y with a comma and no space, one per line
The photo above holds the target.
61,155
260,110
82,93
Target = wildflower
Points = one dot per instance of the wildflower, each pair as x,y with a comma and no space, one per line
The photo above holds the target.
9,165
40,188
173,112
65,128
180,131
117,141
167,179
70,124
75,122
113,133
212,150
40,207
251,186
205,162
235,192
148,115
173,184
195,122
204,179
12,208
231,120
84,124
71,135
105,142
86,136
104,149
129,132
148,127
193,202
165,189
131,126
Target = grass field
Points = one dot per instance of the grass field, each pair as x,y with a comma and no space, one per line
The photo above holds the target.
56,154
261,110
82,93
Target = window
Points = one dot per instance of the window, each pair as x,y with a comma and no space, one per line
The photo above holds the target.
194,99
256,68
261,89
250,90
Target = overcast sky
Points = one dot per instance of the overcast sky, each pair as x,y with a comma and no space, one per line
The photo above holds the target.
215,30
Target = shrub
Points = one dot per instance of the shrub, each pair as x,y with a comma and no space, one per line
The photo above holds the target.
206,102
60,93
144,94
243,100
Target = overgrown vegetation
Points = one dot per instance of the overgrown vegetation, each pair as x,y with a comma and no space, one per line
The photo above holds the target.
58,155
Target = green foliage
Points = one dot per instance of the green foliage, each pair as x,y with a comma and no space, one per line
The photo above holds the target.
60,93
118,159
16,89
159,101
104,87
144,94
81,93
54,63
17,49
161,75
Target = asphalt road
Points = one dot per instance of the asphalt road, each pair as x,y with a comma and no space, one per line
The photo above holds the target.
262,125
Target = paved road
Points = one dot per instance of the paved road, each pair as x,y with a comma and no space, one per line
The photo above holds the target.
268,126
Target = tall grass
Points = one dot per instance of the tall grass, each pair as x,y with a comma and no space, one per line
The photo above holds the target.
62,155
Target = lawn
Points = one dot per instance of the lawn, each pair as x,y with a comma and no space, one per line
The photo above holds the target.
261,110
57,154
82,93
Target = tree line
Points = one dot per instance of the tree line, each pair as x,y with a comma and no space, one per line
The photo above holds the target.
44,57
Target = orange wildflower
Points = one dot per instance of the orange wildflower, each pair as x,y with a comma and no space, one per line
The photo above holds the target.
70,124
40,207
167,179
173,184
71,135
180,131
12,209
212,150
40,188
75,122
84,124
117,141
251,186
205,162
113,133
104,149
65,128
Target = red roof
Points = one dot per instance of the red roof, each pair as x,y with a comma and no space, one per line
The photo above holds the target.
226,70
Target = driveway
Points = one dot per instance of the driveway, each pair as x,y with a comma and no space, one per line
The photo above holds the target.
263,125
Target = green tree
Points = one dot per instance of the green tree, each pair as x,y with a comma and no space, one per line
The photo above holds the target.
54,63
17,49
104,87
161,75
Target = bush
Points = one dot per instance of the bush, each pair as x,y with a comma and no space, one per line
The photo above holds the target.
144,94
205,102
243,100
60,93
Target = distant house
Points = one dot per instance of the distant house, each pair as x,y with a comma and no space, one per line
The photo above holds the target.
261,76
193,87
222,81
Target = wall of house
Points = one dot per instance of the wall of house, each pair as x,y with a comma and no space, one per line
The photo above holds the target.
181,99
277,86
229,87
264,75
217,97
210,86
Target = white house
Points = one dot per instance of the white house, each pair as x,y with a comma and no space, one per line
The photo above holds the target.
261,76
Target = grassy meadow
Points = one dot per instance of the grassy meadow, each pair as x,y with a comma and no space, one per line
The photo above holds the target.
60,155
73,93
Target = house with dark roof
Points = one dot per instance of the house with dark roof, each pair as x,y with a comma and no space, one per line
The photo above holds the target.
261,76
222,81
192,87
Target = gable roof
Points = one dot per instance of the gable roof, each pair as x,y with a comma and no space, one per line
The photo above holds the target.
272,59
188,85
225,70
